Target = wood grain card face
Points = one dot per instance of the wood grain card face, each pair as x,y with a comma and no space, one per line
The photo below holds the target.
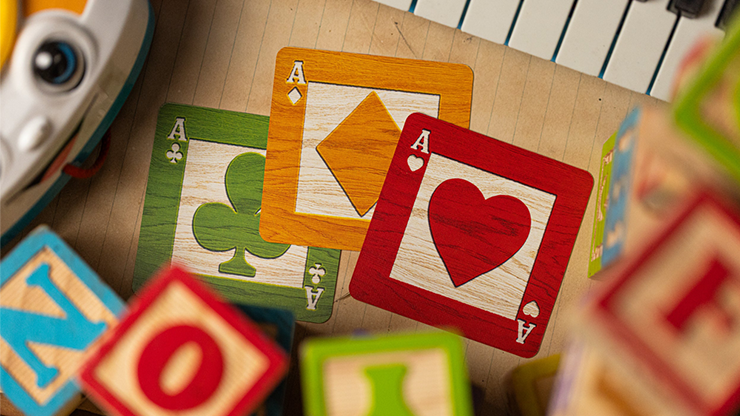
401,375
53,310
335,122
181,350
203,209
473,233
675,307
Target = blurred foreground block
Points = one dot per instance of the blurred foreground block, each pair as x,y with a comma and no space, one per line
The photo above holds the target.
531,384
671,315
53,310
403,375
278,325
180,349
588,383
648,167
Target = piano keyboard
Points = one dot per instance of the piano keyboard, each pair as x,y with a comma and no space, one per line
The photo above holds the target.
636,44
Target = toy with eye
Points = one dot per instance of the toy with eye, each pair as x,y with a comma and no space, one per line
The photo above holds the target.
67,67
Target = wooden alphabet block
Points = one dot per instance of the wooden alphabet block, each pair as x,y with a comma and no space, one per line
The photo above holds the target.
472,233
401,375
589,383
335,122
182,350
708,109
279,326
671,312
530,386
648,166
202,210
53,310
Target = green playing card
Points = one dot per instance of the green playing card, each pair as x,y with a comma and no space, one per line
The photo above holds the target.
202,211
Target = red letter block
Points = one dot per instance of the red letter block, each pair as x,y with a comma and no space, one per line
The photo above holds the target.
671,316
181,350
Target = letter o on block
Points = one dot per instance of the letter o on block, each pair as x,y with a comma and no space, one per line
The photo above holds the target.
160,352
182,350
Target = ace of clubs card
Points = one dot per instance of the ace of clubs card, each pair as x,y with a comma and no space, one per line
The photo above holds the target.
472,233
202,211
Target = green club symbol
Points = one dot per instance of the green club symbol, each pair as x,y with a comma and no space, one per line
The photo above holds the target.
219,227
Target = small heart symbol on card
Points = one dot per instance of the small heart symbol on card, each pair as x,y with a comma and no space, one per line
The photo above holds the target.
531,309
415,162
474,235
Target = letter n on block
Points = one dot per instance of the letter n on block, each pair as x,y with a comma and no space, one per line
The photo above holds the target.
53,309
181,350
675,309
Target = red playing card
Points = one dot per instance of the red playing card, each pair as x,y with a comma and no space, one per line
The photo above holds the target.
472,233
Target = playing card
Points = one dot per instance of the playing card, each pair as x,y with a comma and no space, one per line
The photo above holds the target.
473,233
334,125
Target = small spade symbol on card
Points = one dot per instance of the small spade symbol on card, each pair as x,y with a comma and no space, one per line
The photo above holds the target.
415,162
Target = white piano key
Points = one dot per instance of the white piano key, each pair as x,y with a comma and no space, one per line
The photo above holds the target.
590,34
640,45
404,5
446,12
538,28
687,33
490,19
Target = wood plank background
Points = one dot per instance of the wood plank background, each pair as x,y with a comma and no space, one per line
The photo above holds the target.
221,54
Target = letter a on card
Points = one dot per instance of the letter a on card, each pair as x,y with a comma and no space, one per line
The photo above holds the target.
489,241
53,311
181,349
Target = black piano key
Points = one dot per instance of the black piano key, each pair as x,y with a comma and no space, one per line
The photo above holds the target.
686,8
728,9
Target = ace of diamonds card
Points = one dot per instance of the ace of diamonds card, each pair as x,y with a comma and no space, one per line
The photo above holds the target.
472,233
335,121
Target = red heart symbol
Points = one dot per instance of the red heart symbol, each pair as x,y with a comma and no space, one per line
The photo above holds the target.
474,235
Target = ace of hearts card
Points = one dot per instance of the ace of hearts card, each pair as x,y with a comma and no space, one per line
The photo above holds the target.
473,233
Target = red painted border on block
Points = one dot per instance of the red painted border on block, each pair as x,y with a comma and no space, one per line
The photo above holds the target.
277,361
371,283
605,313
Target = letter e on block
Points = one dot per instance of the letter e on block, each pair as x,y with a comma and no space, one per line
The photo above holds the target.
181,350
675,308
53,310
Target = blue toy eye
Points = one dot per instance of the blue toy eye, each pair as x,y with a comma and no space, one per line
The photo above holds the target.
59,65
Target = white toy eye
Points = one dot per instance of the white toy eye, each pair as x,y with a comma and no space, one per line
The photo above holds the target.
58,66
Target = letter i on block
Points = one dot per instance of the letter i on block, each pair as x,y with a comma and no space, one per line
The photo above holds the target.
53,310
397,375
181,350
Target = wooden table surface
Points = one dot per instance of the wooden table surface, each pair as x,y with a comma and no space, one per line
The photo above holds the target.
221,54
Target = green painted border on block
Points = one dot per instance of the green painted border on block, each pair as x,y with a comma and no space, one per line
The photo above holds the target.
687,113
315,352
164,186
597,237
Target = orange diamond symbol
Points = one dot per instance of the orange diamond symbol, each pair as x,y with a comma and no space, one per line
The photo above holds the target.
359,151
